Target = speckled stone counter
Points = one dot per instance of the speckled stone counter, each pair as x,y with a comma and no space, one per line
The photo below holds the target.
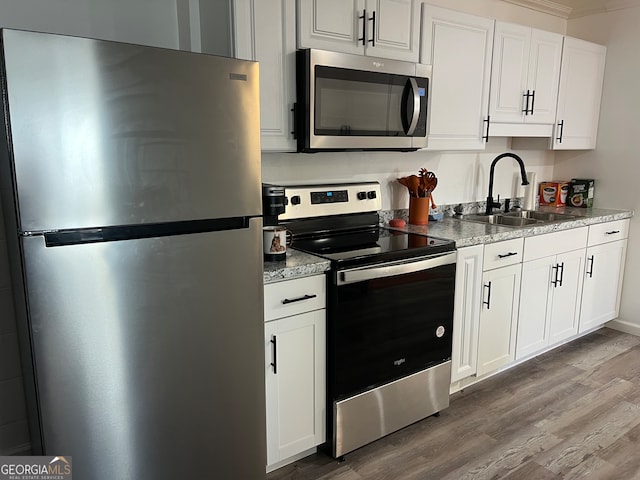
466,233
297,264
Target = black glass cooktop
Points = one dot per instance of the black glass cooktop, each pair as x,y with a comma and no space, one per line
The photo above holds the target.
370,246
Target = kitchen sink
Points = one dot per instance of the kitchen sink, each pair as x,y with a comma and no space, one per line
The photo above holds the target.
540,216
523,218
499,219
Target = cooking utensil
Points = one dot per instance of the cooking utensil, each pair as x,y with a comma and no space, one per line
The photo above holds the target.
412,182
420,186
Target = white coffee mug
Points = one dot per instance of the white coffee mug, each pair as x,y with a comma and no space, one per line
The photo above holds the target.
549,194
274,243
564,189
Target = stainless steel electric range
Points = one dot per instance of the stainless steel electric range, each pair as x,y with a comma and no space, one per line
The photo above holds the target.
390,312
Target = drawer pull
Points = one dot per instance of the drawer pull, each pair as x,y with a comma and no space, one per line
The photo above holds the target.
299,299
590,271
274,364
510,254
612,232
488,301
561,268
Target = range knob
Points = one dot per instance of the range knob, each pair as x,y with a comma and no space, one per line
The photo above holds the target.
371,194
362,195
295,200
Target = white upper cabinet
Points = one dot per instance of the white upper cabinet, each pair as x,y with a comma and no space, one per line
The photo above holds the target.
579,96
380,28
524,80
459,46
265,31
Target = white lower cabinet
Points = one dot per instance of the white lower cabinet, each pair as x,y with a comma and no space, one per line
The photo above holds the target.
466,313
549,301
518,298
499,309
295,370
550,290
603,274
498,318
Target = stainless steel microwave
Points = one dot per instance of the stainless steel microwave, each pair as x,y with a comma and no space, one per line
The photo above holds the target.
355,102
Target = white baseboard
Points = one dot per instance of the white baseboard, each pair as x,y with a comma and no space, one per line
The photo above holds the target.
626,327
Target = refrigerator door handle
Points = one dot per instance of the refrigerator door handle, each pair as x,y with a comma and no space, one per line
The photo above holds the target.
129,232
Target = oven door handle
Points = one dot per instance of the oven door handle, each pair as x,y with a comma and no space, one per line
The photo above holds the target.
380,271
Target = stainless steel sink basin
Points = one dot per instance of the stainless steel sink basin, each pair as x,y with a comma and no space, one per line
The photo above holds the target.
541,216
523,218
498,219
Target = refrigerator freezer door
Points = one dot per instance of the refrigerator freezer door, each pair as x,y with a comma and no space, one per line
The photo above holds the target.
106,133
149,354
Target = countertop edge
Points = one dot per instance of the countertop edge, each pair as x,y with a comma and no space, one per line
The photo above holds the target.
467,234
296,265
299,264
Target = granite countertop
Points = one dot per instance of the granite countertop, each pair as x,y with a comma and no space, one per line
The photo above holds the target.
296,264
300,264
466,233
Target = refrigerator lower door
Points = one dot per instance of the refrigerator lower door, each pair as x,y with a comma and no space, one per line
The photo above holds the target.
149,356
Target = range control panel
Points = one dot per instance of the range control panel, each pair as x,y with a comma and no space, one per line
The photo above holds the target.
330,196
304,201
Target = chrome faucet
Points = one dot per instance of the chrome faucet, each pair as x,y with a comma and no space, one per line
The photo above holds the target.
490,203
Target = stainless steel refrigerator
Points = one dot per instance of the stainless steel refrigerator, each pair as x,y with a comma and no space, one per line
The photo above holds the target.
131,193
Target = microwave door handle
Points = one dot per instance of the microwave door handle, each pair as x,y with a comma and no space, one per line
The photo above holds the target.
413,85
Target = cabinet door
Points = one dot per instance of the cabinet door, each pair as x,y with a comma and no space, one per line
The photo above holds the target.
395,31
602,283
458,46
509,72
336,25
265,32
498,318
543,76
579,95
295,384
566,291
466,313
533,324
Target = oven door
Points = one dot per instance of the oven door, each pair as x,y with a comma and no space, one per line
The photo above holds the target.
389,321
362,103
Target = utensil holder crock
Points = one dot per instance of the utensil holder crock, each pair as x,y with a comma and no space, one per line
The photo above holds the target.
419,210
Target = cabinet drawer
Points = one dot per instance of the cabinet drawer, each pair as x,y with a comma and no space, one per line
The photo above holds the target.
292,297
608,232
504,253
549,244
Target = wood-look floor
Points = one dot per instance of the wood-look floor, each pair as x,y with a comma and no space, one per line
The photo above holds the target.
571,413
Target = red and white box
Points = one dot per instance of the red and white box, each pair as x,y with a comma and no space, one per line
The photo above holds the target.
554,194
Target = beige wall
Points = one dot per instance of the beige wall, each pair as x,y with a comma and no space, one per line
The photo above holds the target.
614,162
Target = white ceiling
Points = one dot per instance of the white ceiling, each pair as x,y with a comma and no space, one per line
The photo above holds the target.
575,8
